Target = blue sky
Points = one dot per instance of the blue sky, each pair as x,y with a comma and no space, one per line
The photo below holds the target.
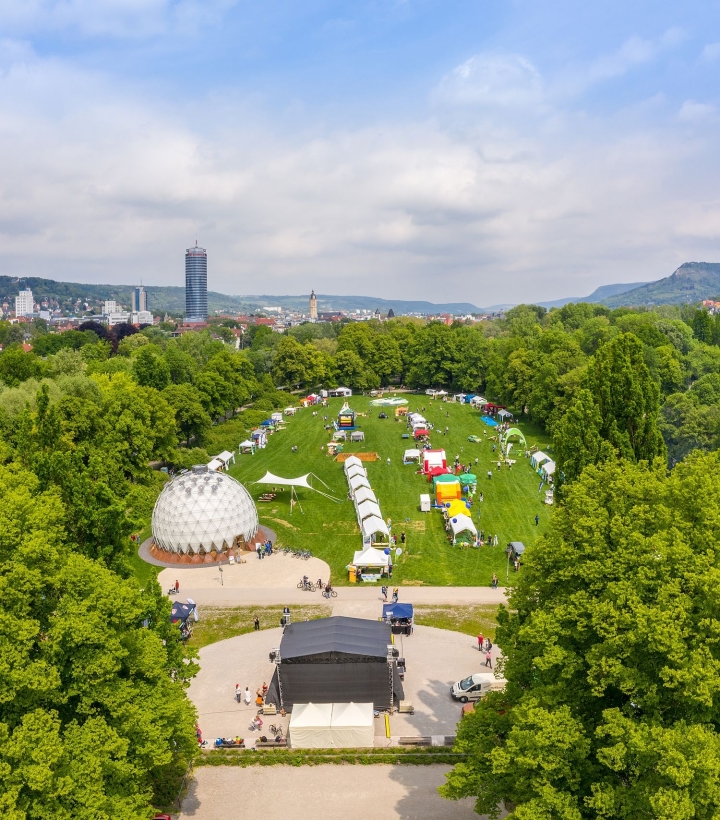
484,151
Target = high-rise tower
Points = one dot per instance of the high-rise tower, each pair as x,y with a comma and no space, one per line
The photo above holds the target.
313,305
195,284
139,299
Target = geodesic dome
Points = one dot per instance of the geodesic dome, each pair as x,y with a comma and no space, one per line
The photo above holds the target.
200,511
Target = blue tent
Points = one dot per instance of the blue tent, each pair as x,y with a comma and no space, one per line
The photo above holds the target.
395,611
180,612
267,423
469,397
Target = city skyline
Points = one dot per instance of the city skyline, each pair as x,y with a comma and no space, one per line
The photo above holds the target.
543,150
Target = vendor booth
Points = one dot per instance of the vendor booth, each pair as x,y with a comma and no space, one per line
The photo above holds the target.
547,471
352,725
370,564
355,471
433,458
215,464
462,528
366,510
358,481
334,660
310,726
260,438
539,458
400,618
420,432
290,411
341,392
247,447
357,435
364,494
412,456
374,530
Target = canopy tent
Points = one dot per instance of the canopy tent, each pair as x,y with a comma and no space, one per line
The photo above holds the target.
396,611
355,470
290,411
366,509
388,402
548,469
467,478
364,494
353,461
536,459
215,464
460,524
477,401
353,725
357,435
260,438
447,492
180,612
441,393
226,457
310,726
370,557
276,417
342,392
247,446
412,456
459,397
506,444
372,527
433,458
302,481
340,435
435,471
358,481
419,432
515,548
505,414
444,478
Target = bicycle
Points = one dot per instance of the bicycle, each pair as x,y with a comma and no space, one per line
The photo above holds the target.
330,594
307,586
275,730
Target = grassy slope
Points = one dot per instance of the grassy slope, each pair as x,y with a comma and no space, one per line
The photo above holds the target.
330,529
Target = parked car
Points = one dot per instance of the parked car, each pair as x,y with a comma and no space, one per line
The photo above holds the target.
473,687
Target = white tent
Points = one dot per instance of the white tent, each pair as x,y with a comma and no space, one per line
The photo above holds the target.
368,508
374,526
548,469
462,523
441,393
301,481
215,464
290,411
364,494
247,446
478,401
411,456
353,461
370,557
357,435
358,481
505,414
276,417
353,471
536,459
310,726
226,457
344,392
353,725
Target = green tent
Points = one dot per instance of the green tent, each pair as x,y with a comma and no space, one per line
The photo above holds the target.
468,478
445,477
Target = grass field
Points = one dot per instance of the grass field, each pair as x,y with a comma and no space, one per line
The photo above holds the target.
330,529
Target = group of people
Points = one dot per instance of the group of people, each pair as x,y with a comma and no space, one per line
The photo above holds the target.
395,593
264,549
247,697
485,645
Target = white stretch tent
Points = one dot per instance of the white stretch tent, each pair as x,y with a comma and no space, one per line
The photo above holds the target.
358,481
370,557
300,481
536,459
353,471
353,461
462,523
352,725
364,494
372,526
310,726
367,509
215,464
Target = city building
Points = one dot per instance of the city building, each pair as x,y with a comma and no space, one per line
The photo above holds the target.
313,306
110,306
195,284
24,303
141,317
139,299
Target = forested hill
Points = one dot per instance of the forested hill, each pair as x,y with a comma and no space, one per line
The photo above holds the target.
691,282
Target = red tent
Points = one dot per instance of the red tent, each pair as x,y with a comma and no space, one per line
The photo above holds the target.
420,432
437,471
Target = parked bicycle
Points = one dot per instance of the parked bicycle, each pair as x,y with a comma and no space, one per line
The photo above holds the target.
307,585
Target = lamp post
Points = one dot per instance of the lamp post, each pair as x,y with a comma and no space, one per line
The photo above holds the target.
221,577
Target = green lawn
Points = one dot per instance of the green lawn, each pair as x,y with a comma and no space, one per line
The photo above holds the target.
468,619
330,529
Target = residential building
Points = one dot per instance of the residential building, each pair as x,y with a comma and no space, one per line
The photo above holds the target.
195,285
24,304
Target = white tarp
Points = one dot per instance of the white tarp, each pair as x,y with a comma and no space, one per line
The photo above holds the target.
374,525
353,725
367,509
358,481
353,461
370,557
246,443
536,459
226,457
310,726
412,455
462,523
353,471
364,494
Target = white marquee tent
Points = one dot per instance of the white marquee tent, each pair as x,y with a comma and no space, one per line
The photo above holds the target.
353,471
536,459
357,482
368,508
353,725
548,469
310,726
460,524
371,557
353,461
372,527
364,494
332,726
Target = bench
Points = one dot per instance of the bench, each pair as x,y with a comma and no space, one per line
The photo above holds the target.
271,744
415,741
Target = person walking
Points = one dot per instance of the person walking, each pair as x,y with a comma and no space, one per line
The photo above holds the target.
248,696
177,585
396,595
238,692
494,578
384,591
537,520
388,461
489,474
258,550
481,640
488,659
256,624
402,537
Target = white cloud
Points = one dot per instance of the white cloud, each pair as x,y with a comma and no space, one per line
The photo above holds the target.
693,111
492,79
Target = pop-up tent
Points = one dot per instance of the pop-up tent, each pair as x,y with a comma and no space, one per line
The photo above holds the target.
353,471
536,459
433,458
505,414
358,481
548,469
367,509
260,438
310,726
444,478
353,461
374,529
462,524
290,411
364,494
247,447
357,435
412,457
467,478
370,557
420,432
393,612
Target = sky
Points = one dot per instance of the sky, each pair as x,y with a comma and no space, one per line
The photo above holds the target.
491,151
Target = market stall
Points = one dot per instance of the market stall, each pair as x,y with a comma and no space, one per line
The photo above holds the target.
400,617
462,528
370,564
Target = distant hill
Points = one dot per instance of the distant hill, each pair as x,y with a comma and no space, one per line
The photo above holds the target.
691,282
598,295
172,299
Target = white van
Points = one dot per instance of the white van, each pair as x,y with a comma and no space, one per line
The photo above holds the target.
474,687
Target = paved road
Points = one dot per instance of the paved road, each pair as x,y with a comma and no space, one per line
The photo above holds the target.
228,596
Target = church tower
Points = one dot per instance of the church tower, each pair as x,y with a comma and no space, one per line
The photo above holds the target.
313,305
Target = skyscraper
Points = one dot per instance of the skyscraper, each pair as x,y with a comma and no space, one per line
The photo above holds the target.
313,305
139,299
24,303
195,284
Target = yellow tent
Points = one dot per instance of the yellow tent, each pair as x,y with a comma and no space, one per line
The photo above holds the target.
447,491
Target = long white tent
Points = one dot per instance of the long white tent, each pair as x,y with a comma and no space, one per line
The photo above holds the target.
364,494
373,526
353,471
358,481
460,524
353,461
367,509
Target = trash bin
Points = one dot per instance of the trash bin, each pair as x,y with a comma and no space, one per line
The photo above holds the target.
352,575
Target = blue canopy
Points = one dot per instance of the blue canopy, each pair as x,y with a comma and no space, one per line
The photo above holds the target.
267,423
180,612
397,611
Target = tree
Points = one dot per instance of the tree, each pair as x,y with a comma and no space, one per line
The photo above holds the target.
433,356
149,368
16,366
577,438
702,326
190,417
290,366
611,658
350,369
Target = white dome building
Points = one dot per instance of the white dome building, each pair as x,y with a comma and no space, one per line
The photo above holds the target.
200,511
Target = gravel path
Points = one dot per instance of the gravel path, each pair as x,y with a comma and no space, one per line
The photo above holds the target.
378,791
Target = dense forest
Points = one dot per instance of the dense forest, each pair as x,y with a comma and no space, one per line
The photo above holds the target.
93,716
